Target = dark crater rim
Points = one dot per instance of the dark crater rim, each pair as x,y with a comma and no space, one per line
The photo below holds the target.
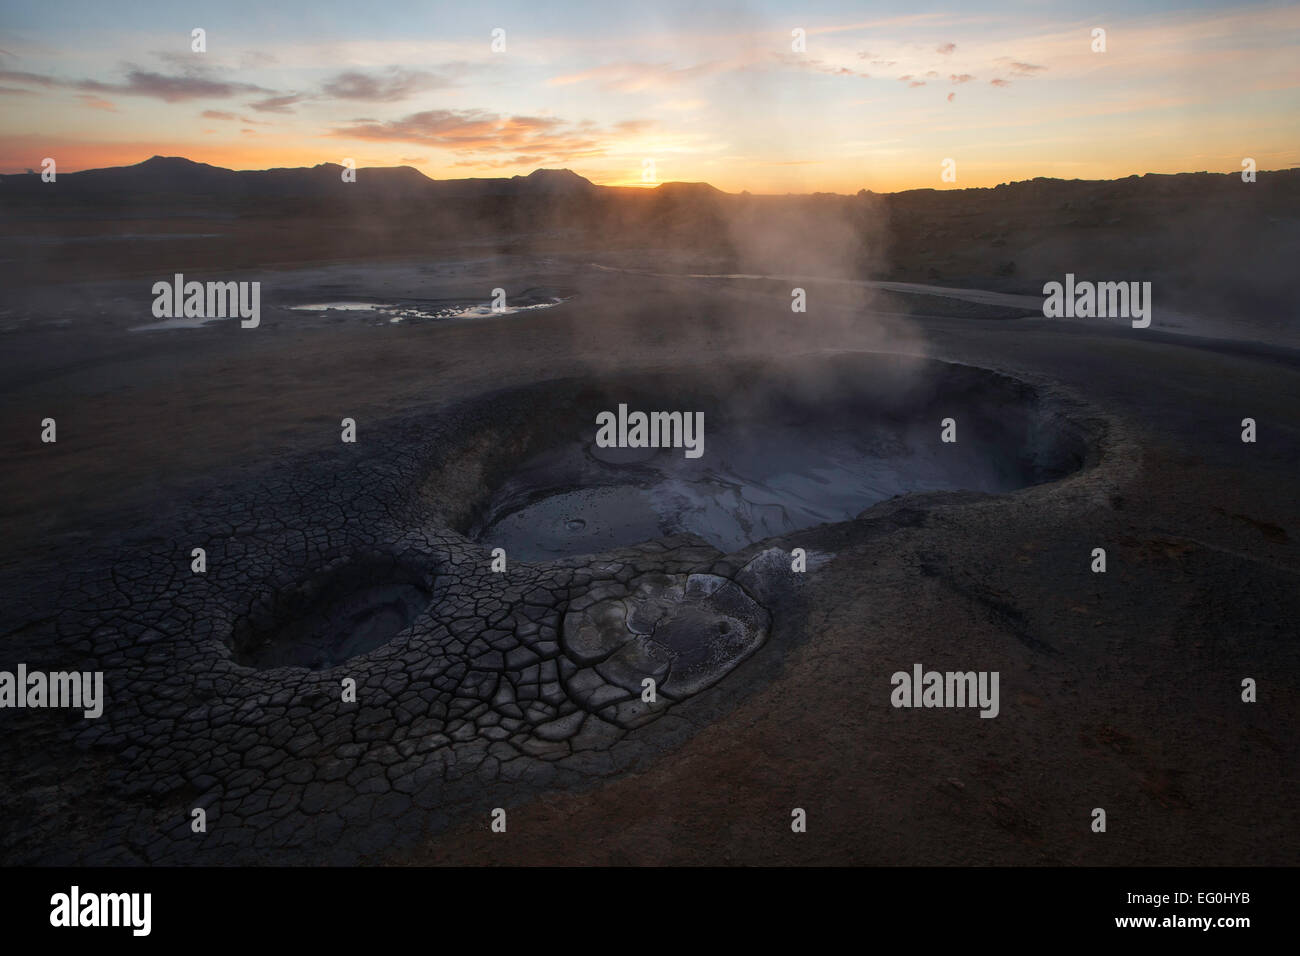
1060,436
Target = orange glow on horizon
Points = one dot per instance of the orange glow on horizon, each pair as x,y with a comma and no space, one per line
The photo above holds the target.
21,153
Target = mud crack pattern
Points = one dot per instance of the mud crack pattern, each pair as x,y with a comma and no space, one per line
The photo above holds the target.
224,689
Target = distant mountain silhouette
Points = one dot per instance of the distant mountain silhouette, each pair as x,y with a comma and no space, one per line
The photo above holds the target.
171,175
694,190
558,181
164,175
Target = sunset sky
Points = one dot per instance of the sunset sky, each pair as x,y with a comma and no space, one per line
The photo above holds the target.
708,91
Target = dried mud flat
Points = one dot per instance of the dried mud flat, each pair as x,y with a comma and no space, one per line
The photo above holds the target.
519,690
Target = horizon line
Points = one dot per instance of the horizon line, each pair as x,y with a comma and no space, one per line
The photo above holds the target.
648,186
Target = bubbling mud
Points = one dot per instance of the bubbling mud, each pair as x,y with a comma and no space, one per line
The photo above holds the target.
786,448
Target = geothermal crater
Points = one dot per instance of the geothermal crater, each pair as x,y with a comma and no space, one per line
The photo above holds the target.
814,442
328,618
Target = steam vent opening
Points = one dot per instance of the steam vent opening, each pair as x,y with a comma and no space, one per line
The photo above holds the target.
320,621
784,448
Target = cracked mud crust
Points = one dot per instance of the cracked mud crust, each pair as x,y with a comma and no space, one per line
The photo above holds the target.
472,687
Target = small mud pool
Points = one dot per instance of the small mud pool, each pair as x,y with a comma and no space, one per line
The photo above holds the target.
804,446
324,620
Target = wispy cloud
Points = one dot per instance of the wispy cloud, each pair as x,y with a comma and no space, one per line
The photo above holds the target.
97,102
170,89
31,79
1025,69
512,162
821,66
385,87
490,134
283,103
225,116
636,77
